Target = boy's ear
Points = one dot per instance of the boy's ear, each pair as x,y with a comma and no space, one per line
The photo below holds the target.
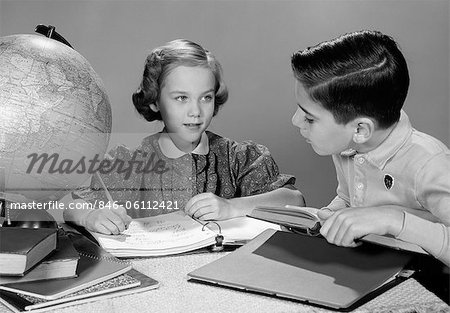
154,107
364,129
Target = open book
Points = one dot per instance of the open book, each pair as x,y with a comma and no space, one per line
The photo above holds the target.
305,220
176,232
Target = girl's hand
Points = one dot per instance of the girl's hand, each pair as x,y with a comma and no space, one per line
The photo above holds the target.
108,221
208,206
344,226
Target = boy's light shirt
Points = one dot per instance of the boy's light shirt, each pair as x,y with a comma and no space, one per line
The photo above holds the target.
170,150
419,166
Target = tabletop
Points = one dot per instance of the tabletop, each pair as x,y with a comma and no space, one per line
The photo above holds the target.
177,294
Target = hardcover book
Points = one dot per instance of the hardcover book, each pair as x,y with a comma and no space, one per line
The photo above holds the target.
23,248
61,263
304,220
94,266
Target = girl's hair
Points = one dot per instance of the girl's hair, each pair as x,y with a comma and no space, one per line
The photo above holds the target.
161,61
357,74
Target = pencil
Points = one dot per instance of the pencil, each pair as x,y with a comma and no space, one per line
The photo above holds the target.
108,195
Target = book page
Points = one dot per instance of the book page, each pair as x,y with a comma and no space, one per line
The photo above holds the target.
288,216
160,232
242,229
309,211
289,210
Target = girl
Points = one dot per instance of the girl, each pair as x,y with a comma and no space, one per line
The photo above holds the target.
184,166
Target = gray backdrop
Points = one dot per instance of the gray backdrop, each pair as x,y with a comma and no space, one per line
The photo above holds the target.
254,41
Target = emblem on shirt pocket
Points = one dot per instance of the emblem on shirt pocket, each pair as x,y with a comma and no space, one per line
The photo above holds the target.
388,181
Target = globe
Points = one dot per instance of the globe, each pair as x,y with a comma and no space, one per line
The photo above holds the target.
55,118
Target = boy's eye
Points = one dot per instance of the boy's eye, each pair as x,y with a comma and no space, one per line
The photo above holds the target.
308,120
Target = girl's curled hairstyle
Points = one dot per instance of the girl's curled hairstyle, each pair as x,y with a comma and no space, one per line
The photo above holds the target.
161,61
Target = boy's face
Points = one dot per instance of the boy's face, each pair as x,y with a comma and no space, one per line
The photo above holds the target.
186,104
319,127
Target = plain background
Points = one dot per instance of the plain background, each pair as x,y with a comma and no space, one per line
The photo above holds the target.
254,41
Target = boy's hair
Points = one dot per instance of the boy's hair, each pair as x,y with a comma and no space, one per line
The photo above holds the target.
357,74
161,61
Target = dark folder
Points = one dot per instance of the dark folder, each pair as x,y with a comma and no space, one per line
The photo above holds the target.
307,269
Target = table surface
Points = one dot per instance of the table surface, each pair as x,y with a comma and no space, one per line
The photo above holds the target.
177,294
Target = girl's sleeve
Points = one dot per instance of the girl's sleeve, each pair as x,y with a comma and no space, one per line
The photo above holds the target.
120,186
256,171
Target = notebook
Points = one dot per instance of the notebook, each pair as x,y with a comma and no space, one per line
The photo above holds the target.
176,233
165,234
94,266
307,269
129,283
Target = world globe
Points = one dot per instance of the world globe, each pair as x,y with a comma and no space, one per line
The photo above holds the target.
55,116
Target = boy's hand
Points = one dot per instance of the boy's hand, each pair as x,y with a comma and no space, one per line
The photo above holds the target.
108,221
344,226
208,206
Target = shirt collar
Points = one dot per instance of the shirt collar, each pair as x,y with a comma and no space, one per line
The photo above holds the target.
170,150
390,146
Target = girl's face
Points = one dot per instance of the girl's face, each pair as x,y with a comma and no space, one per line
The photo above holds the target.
186,104
319,127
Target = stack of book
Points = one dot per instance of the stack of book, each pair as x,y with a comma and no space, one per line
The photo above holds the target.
42,271
30,254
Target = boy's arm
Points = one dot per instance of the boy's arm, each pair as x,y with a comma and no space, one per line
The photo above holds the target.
432,237
342,227
428,227
337,203
432,183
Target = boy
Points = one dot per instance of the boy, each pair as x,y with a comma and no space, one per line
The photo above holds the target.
392,179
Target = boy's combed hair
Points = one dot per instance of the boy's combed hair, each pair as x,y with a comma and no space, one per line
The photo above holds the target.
161,61
357,74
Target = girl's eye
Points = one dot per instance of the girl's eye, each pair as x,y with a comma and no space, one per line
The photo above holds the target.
207,98
308,120
181,98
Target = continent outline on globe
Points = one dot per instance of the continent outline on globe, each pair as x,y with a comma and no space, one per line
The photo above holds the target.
51,101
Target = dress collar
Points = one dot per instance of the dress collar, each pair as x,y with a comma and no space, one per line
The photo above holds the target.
390,146
170,150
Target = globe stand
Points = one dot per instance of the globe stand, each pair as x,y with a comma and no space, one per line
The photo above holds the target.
50,32
23,218
3,209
